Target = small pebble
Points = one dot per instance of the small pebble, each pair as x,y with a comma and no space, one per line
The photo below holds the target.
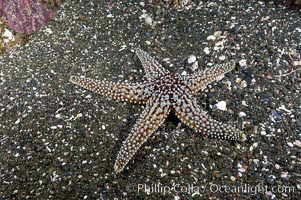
206,50
17,121
244,84
166,59
284,175
48,30
7,36
263,132
244,103
218,33
242,114
184,73
79,115
297,143
191,59
241,169
221,105
242,62
282,107
253,146
195,66
211,37
148,20
223,57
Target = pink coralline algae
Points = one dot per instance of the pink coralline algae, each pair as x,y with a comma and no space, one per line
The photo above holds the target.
25,16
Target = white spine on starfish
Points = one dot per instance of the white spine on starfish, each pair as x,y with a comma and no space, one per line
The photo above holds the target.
151,66
137,93
198,81
191,114
151,118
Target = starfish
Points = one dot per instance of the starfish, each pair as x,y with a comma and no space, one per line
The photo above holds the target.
162,92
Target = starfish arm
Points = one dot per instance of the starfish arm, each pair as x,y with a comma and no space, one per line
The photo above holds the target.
201,79
151,66
190,113
151,118
137,93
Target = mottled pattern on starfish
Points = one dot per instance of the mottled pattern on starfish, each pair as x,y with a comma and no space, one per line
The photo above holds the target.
162,92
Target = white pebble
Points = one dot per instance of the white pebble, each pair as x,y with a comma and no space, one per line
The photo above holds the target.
48,30
195,66
242,114
297,63
7,36
220,43
284,175
253,146
244,84
184,3
17,121
79,115
149,20
144,15
211,37
206,50
244,103
297,143
241,169
218,33
191,59
166,59
243,62
282,107
222,57
263,132
221,105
